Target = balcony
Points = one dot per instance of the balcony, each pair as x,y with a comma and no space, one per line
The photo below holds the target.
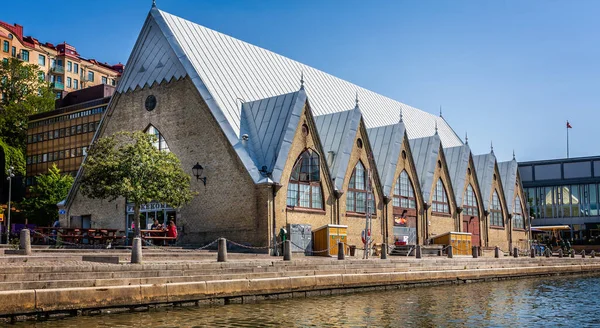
58,86
58,69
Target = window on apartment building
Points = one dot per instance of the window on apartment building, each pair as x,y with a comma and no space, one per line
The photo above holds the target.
104,81
85,128
52,62
59,62
90,76
5,46
58,95
59,79
304,188
112,82
404,194
496,218
79,129
5,60
25,55
439,203
68,153
69,66
518,221
75,84
76,68
356,200
470,203
42,76
68,82
13,52
41,60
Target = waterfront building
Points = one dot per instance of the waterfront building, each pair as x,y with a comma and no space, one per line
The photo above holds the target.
283,143
564,192
60,64
62,136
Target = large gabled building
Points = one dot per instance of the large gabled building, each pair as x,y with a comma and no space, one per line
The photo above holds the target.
284,143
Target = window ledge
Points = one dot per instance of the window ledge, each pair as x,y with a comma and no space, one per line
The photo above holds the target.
496,227
306,210
446,215
519,229
360,215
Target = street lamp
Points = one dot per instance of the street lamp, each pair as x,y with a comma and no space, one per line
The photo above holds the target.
9,178
198,169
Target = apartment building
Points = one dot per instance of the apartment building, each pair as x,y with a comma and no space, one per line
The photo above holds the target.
60,64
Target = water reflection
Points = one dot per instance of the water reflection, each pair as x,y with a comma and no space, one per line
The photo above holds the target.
564,301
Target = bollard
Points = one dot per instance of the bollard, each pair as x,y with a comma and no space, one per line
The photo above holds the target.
25,242
547,252
287,250
593,254
532,252
572,253
341,254
497,252
560,253
384,250
583,254
222,250
515,252
418,252
136,250
450,255
475,252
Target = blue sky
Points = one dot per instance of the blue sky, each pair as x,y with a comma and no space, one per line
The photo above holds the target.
511,72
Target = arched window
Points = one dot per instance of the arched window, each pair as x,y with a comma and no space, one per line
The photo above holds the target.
440,199
356,200
518,221
470,203
304,187
404,194
496,218
160,142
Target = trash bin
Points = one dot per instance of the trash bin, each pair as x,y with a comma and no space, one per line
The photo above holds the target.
352,250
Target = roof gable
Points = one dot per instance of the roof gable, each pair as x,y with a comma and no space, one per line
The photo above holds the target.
271,125
225,69
337,132
386,142
485,168
508,174
457,159
425,154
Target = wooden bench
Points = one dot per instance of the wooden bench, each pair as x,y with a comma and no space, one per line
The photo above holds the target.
163,238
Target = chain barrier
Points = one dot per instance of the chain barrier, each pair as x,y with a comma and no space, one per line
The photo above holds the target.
169,249
321,251
255,247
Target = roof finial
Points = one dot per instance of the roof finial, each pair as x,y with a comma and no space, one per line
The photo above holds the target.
514,155
491,146
436,129
302,80
401,118
466,138
153,3
356,98
441,111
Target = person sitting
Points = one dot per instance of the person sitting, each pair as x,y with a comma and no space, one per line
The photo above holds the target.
156,225
172,232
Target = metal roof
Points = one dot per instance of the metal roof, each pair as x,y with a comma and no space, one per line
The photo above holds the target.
484,167
425,153
225,69
508,174
386,142
271,124
457,159
337,132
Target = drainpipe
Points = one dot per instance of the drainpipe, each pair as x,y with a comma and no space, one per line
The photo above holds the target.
486,214
274,187
458,221
386,212
426,230
510,241
338,196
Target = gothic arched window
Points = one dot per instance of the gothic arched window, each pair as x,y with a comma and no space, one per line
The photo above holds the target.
356,199
304,187
470,203
518,221
496,218
404,194
160,142
440,203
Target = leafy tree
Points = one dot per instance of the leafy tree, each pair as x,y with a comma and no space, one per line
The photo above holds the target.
23,94
49,189
128,165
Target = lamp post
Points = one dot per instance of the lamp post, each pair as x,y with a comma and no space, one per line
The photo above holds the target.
197,169
9,178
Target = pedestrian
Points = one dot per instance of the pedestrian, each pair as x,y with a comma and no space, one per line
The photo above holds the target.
172,232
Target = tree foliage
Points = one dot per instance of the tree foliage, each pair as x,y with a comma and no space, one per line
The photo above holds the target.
49,189
128,165
23,94
13,157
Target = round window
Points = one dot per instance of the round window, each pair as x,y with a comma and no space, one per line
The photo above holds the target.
304,129
150,103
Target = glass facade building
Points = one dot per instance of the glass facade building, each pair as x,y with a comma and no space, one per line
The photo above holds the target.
564,192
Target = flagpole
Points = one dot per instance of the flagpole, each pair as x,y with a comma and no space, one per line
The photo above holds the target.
567,139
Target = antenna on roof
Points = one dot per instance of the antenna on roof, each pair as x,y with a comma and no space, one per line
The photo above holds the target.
302,80
441,111
466,138
400,114
356,98
436,129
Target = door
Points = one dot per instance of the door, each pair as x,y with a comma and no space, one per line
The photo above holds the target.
471,224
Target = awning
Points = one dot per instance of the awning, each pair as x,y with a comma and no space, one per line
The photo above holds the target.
551,228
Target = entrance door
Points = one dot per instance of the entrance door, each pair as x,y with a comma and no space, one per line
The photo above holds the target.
405,226
471,224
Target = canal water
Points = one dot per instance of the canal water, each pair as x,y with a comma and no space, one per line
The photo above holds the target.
560,301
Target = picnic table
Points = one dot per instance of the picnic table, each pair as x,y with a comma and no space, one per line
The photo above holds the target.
158,235
76,235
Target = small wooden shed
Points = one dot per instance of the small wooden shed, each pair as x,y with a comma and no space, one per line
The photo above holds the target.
326,238
460,241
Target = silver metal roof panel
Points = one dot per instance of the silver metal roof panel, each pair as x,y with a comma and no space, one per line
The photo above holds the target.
508,174
425,153
484,167
386,143
457,159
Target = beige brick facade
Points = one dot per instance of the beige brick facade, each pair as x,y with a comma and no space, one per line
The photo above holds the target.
471,179
520,237
439,223
498,236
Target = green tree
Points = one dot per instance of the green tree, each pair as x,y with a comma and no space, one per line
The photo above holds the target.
49,189
23,94
128,165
